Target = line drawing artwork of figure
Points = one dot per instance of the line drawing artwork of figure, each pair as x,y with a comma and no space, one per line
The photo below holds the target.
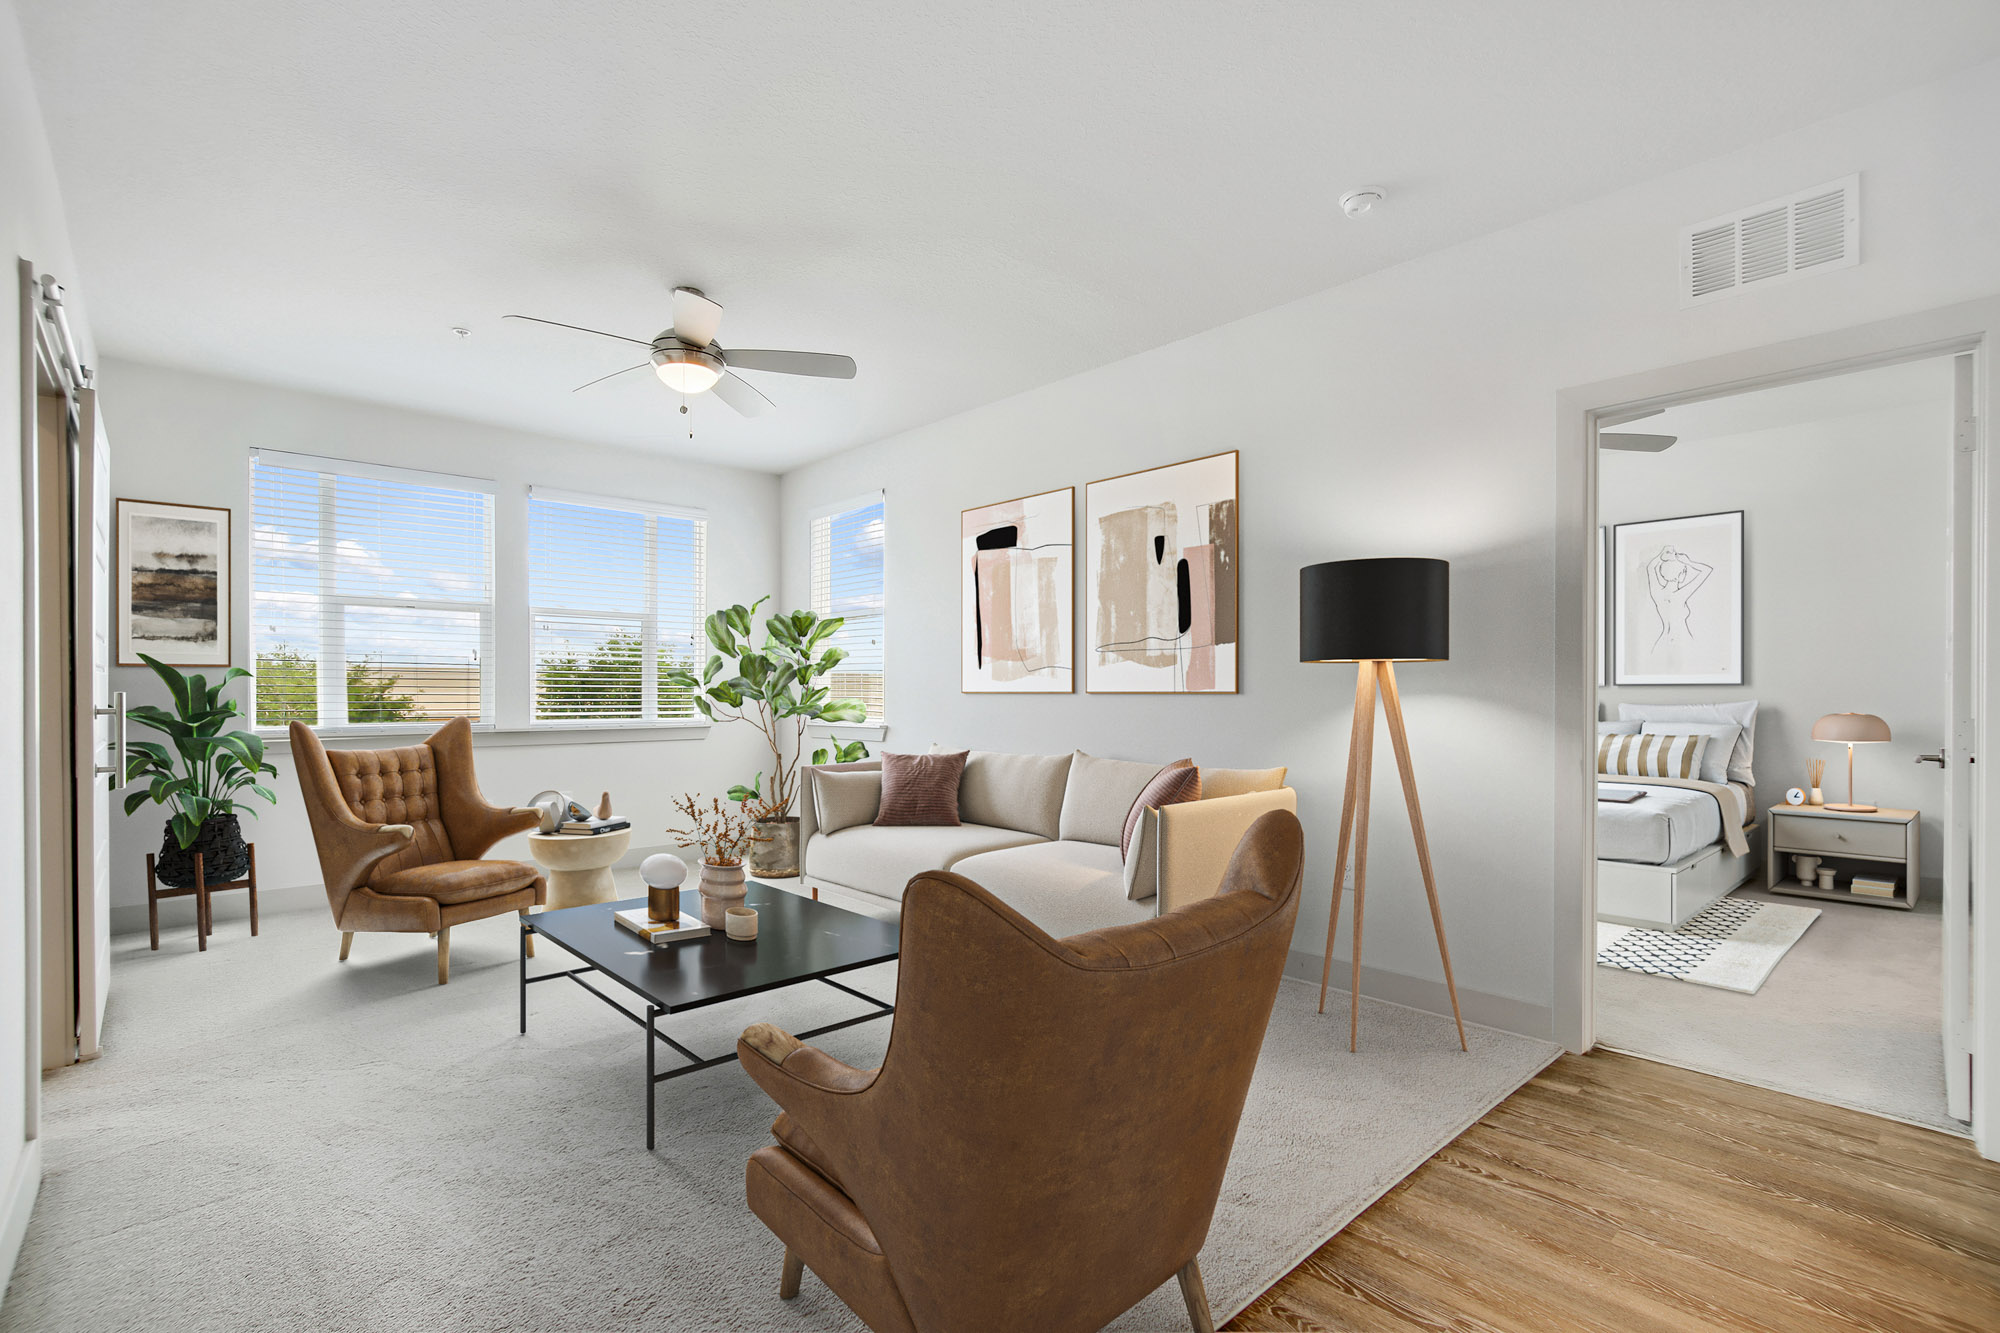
1672,579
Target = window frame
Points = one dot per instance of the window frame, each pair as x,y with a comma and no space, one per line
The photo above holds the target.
648,619
874,727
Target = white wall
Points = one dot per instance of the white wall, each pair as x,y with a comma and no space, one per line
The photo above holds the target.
31,221
1411,413
186,438
1844,595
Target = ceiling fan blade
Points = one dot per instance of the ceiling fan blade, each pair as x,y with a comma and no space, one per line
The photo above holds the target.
533,319
1635,443
696,318
826,365
740,395
643,365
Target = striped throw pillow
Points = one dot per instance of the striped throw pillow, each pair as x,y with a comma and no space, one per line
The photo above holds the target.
1653,755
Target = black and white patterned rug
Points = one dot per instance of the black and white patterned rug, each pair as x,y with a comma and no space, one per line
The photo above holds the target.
1732,944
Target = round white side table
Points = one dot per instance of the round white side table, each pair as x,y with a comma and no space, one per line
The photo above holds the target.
579,865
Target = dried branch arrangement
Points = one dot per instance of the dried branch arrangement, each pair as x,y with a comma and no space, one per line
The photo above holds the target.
723,835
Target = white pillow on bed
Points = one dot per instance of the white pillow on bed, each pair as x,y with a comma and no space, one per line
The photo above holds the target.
1617,728
1715,755
1742,712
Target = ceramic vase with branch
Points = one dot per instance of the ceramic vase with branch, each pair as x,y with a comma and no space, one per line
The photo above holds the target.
777,688
724,837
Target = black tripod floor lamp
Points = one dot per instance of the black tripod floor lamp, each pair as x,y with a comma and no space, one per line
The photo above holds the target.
1376,613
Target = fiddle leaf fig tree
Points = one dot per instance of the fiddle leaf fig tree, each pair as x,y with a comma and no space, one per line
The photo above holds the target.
775,686
201,776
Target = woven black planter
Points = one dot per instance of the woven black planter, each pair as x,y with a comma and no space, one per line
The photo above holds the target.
223,855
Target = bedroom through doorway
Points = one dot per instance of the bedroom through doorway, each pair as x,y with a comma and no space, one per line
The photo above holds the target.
1780,593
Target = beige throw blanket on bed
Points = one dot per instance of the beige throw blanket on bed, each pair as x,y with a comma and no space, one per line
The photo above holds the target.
1732,797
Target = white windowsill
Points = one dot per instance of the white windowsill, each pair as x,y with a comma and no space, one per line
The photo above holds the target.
501,737
860,731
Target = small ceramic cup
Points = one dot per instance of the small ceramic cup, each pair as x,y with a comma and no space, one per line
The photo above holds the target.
741,923
1826,880
1807,867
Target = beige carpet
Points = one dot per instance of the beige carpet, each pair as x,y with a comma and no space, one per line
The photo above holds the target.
274,1141
1853,1015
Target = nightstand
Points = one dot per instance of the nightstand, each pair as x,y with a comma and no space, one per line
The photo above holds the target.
1882,844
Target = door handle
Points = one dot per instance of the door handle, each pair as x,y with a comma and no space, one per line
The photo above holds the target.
116,768
1937,759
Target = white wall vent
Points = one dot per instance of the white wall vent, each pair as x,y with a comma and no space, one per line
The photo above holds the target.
1813,231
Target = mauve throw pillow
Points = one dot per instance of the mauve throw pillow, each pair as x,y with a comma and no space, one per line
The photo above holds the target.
1177,782
920,788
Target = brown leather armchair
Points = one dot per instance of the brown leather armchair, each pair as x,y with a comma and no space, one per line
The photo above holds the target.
401,833
1045,1140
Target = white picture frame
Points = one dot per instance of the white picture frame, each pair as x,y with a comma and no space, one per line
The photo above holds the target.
173,583
1677,600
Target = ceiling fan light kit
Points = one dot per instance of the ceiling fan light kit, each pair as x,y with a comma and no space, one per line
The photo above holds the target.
686,369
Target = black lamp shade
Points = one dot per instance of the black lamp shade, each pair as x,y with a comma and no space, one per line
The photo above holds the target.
1394,610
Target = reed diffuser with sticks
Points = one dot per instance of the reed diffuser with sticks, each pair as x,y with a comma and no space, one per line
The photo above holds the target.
1815,770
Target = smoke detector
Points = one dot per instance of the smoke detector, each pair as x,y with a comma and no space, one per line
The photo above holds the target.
1356,202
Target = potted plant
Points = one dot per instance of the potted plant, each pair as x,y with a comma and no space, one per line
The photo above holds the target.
724,837
774,687
199,778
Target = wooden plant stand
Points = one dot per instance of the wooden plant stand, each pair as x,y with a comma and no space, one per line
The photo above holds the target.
204,919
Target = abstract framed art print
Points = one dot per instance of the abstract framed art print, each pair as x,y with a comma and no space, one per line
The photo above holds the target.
1161,558
1677,609
1017,595
173,583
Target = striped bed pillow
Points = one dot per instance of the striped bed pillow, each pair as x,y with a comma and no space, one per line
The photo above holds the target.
1653,755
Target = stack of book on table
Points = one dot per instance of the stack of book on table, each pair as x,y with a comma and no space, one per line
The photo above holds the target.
594,825
640,923
1872,886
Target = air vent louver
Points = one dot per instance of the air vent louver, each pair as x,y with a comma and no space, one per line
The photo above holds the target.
1813,231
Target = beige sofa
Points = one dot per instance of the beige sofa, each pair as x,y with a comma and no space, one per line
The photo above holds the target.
1040,832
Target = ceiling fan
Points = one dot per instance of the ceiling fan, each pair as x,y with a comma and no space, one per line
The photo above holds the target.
1633,441
688,359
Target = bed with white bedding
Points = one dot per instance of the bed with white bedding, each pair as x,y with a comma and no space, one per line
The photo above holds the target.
1680,845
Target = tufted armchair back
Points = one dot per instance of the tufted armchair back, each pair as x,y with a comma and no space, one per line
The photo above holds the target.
396,787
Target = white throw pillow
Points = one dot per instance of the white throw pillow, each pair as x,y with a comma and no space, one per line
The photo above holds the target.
1714,755
1742,712
1617,728
842,800
1654,756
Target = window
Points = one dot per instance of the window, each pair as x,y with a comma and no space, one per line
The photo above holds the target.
847,582
617,590
371,594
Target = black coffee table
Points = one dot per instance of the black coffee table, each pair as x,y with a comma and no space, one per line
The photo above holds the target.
799,939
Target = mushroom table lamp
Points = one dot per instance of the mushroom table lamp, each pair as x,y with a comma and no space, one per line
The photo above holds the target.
1376,613
1851,729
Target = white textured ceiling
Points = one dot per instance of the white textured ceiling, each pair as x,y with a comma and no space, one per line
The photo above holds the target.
969,199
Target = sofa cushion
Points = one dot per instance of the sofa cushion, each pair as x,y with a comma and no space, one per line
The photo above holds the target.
1099,796
920,790
882,860
1064,887
1022,791
1177,782
842,800
1237,781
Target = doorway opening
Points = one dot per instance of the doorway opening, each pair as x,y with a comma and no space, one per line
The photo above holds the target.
1786,579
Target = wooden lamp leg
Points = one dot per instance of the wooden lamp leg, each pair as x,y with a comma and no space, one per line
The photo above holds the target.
1346,831
1363,778
152,903
1392,706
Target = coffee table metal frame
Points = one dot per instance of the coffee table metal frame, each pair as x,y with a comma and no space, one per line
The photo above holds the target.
694,1064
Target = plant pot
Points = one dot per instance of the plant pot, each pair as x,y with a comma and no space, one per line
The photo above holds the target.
722,888
779,857
224,858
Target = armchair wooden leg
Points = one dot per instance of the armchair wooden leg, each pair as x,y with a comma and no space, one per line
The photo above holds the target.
1196,1297
444,955
346,943
788,1283
531,938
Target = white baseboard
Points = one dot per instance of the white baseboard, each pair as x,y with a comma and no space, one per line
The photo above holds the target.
1487,1010
16,1208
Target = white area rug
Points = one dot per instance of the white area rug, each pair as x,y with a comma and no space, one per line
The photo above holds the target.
274,1141
1732,944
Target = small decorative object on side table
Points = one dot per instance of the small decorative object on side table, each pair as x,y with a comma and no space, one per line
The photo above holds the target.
1879,845
200,891
579,866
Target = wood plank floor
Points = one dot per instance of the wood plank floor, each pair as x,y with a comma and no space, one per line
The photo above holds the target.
1616,1194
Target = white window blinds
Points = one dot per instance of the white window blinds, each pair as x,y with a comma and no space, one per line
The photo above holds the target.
847,582
371,594
617,590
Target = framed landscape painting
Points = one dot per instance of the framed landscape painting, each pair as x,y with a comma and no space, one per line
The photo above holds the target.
1017,595
1677,609
173,583
1161,550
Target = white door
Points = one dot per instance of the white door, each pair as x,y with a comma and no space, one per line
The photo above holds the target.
1957,753
100,721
